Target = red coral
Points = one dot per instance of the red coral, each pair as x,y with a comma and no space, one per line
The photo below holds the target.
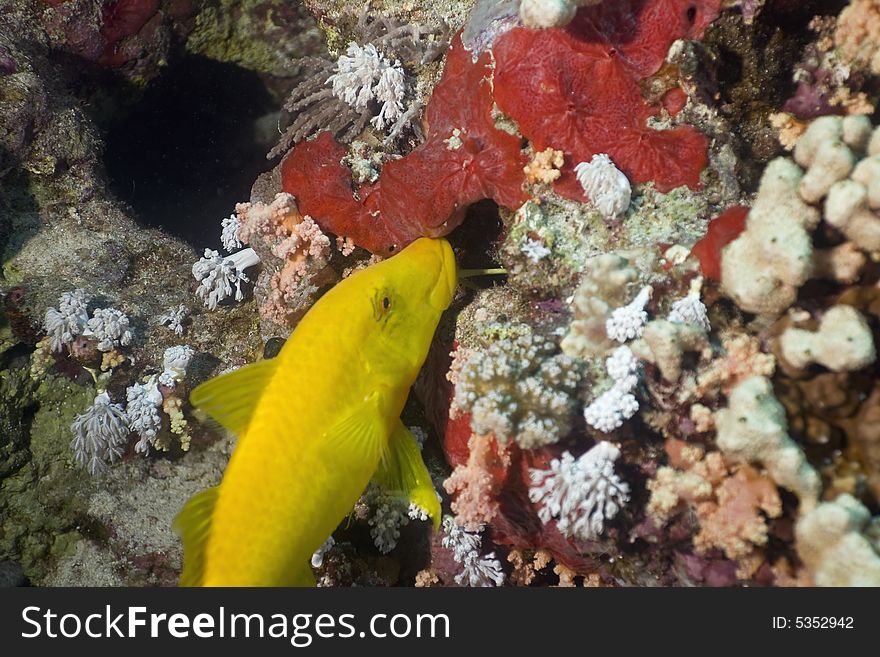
725,228
464,159
120,20
576,89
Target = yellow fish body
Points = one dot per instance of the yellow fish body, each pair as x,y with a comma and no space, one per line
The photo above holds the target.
316,423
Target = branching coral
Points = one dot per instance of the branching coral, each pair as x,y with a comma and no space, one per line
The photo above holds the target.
628,322
858,34
753,429
605,185
581,494
731,504
109,327
830,542
364,75
175,361
617,404
144,401
665,344
174,318
99,434
740,359
690,310
229,233
520,389
476,483
340,95
68,320
843,342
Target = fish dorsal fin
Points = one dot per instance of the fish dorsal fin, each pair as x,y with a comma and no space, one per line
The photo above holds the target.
193,523
402,472
231,398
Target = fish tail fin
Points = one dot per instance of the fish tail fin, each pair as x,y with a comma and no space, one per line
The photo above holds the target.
403,471
231,398
193,523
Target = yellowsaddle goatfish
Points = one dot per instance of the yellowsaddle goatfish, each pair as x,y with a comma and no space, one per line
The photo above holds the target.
316,423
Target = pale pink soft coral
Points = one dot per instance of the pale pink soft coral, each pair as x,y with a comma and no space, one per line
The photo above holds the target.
295,239
731,503
857,36
742,359
476,484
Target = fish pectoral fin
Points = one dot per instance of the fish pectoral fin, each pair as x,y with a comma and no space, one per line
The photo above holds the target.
402,471
193,523
360,435
231,398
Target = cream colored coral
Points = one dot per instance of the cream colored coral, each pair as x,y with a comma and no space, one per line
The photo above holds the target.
550,13
831,544
846,208
842,343
604,287
753,429
843,263
665,344
763,268
741,360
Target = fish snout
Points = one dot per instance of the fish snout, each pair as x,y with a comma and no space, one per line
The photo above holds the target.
447,279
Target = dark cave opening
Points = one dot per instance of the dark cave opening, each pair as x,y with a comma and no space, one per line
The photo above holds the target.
475,241
189,149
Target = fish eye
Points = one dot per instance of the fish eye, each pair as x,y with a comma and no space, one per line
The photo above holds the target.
386,303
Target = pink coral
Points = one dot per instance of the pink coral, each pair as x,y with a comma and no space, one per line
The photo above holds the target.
577,89
295,239
477,483
732,504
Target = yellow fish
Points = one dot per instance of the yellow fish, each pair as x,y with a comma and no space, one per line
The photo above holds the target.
316,423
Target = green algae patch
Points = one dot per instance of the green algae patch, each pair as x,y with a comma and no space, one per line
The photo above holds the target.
41,502
254,34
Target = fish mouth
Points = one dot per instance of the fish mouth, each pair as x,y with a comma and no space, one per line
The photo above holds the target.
447,280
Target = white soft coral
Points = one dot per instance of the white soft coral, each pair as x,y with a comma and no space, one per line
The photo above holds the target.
364,74
581,494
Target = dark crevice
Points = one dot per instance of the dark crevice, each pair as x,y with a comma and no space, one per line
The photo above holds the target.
188,150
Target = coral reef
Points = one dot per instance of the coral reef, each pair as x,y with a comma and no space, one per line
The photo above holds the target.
675,381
